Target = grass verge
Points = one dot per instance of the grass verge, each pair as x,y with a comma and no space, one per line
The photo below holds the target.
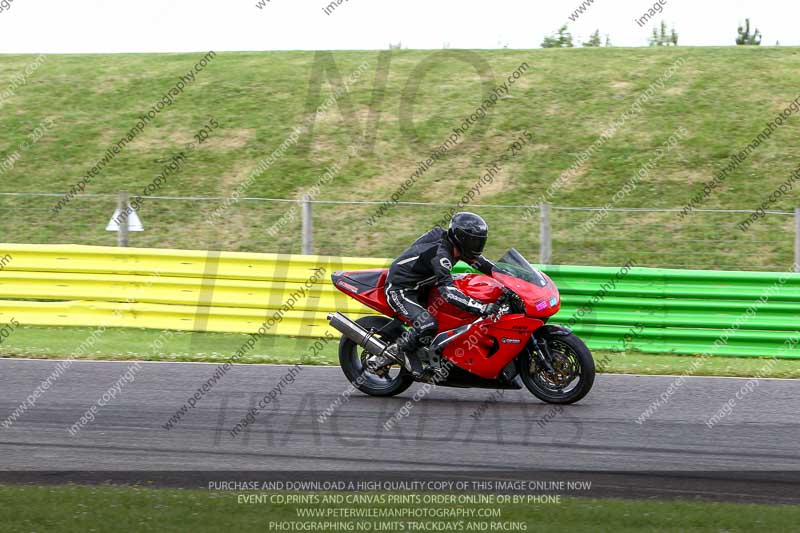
122,344
74,508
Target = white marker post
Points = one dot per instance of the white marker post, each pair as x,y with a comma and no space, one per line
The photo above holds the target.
124,220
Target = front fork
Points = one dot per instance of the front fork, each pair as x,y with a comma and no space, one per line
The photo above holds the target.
542,354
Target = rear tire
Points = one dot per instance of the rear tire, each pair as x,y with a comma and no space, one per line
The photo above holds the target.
573,365
352,359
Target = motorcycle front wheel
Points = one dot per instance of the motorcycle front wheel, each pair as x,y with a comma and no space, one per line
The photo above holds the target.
571,373
352,358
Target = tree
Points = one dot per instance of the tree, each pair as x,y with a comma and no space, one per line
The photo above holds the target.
660,36
594,40
562,39
608,41
745,38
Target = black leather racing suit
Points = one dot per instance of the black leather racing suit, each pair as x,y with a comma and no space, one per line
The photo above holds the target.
426,264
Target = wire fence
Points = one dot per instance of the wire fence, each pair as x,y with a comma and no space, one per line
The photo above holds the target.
707,239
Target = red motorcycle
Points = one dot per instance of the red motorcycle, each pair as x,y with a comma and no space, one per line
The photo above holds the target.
515,347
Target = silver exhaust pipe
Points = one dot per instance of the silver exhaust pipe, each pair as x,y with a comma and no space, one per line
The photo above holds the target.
354,332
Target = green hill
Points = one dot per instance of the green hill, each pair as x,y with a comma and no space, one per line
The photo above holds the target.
719,98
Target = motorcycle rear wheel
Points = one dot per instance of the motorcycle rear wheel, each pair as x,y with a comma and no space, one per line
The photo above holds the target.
352,359
573,366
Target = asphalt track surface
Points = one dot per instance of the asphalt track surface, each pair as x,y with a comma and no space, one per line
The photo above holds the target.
753,454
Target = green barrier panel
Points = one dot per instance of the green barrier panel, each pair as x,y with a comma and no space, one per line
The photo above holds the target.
740,314
746,314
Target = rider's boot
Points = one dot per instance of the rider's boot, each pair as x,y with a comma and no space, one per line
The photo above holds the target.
406,357
375,363
404,351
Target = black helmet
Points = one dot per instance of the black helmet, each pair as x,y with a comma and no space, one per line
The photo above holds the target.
468,232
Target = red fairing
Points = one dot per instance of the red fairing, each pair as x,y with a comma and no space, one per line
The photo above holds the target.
366,286
482,288
487,347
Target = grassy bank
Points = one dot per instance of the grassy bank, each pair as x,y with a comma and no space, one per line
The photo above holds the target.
122,344
565,99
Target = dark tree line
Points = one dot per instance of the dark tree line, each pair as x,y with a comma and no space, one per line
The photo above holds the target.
661,36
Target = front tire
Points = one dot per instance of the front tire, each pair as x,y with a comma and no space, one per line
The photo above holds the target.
352,359
573,369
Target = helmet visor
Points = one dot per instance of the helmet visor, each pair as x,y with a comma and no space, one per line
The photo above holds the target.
472,245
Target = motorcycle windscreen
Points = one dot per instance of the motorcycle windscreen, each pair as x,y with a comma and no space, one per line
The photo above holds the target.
514,264
539,293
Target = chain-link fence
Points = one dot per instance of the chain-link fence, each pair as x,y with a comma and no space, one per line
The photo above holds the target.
707,239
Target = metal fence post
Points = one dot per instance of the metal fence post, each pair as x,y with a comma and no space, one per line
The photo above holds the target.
308,226
122,206
545,242
797,239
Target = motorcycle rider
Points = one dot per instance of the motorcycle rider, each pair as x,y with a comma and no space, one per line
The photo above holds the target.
424,265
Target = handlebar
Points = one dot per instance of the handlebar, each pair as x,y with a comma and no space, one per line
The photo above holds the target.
504,301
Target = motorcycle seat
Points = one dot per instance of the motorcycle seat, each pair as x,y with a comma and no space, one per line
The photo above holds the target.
368,278
363,279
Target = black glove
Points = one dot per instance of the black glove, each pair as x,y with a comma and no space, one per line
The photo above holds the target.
490,309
